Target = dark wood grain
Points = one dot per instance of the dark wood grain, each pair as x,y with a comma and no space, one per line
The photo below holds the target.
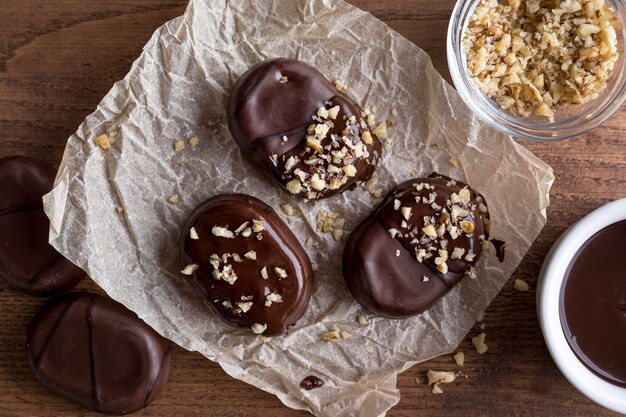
59,57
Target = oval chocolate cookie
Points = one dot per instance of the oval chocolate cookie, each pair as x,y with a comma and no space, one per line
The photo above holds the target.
27,260
97,353
244,259
313,139
420,242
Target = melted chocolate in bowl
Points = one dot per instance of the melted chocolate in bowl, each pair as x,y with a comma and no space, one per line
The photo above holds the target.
593,304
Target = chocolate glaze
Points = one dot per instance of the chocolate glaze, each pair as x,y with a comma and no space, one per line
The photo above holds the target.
311,382
95,352
269,115
275,246
593,304
383,273
27,261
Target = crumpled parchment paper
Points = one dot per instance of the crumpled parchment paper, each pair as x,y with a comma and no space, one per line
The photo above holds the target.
177,89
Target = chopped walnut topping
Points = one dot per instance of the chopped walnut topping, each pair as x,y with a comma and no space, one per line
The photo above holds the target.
273,298
193,234
381,130
467,226
406,212
242,228
190,269
294,186
520,285
537,55
283,80
396,204
393,233
459,358
429,230
222,232
264,273
330,222
175,199
245,306
457,253
257,226
288,209
479,343
250,255
280,272
259,328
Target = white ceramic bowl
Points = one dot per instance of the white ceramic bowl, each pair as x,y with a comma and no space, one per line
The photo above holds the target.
549,296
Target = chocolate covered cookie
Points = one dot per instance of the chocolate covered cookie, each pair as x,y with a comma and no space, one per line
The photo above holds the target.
245,261
27,260
420,242
311,137
97,353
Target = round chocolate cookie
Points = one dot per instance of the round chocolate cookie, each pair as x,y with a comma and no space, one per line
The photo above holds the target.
243,258
312,138
420,242
97,353
27,260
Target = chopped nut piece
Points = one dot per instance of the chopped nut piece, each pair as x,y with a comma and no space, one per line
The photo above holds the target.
467,226
245,306
333,112
175,199
346,335
393,233
362,320
294,186
406,212
190,269
341,86
436,389
222,232
454,162
283,80
457,253
332,335
250,255
443,268
120,209
247,232
381,131
367,137
349,170
280,272
259,328
288,209
396,204
369,348
520,285
103,141
257,226
193,234
194,141
440,377
459,358
479,343
430,231
179,146
264,273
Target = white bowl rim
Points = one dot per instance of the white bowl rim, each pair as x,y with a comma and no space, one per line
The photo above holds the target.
548,296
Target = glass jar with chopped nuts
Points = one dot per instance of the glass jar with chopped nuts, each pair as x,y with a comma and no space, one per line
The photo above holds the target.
539,69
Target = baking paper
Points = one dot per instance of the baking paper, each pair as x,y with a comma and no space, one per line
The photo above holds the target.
178,89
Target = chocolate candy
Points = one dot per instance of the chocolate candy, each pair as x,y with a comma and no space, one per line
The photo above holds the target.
27,260
287,117
593,304
420,242
252,270
95,352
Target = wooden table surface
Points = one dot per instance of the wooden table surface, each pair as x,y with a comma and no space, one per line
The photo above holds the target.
58,58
